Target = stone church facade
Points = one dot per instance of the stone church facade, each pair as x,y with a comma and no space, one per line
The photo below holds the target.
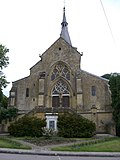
57,84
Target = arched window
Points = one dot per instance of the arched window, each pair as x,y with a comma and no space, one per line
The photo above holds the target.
93,91
60,70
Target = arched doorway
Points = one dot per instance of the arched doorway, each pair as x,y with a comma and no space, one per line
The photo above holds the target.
60,95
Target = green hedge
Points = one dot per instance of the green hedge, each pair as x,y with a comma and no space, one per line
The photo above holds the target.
75,126
27,126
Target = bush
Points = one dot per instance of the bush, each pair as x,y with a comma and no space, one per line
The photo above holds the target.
75,126
27,126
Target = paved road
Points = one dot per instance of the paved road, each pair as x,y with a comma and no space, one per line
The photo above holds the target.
39,157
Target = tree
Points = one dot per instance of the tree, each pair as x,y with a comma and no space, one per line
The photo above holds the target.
4,61
3,101
107,76
114,82
8,113
115,90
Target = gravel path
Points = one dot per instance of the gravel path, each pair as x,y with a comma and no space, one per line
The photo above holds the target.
48,147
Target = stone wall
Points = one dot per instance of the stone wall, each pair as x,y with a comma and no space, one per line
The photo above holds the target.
102,97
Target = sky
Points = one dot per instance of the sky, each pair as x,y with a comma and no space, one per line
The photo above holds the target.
29,27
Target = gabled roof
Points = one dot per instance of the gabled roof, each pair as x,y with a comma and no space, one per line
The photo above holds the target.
95,75
60,38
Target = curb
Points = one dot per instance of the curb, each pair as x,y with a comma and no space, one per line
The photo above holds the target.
52,153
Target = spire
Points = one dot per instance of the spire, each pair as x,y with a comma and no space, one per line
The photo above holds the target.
64,31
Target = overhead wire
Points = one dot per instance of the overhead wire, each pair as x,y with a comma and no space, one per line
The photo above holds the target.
107,20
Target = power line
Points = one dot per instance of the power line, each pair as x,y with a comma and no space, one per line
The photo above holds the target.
107,20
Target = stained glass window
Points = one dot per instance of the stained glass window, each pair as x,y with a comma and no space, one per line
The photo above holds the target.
60,87
60,70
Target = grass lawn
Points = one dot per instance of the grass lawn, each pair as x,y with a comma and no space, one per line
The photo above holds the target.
112,145
10,143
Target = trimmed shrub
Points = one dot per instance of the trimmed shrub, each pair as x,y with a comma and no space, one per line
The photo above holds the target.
27,126
75,126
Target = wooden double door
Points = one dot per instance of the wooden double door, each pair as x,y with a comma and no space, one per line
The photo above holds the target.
60,101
